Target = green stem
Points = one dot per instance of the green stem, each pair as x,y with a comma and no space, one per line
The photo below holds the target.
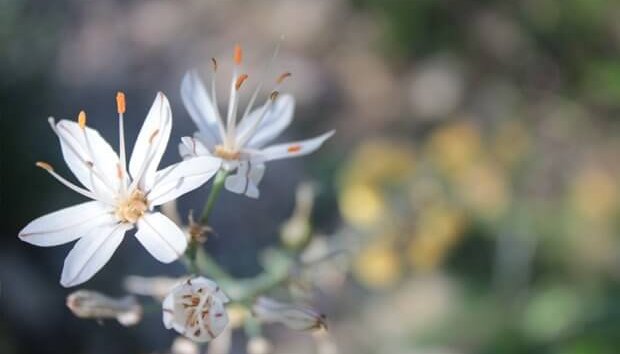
194,246
218,184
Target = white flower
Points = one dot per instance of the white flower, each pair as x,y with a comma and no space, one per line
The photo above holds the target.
241,145
195,308
121,199
293,316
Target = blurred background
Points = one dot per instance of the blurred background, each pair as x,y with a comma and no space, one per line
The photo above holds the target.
472,184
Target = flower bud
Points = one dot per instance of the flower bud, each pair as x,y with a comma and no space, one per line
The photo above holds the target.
297,317
91,304
296,231
195,308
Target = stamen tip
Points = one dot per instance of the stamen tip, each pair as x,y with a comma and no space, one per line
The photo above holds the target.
214,62
240,80
238,54
120,102
44,165
274,95
283,76
82,119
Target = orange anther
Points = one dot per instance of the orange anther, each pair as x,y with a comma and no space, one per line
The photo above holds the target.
294,148
120,102
238,54
82,119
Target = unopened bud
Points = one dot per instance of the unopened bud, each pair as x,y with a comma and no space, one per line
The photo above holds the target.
295,232
91,304
297,317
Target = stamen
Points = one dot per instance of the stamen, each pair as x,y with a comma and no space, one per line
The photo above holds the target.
240,80
267,69
120,102
71,147
44,165
120,108
238,54
216,108
119,171
282,77
245,137
82,119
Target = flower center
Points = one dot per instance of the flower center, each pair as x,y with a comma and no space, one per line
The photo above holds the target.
226,153
132,208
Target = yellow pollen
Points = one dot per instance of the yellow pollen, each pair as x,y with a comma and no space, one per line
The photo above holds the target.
240,80
238,54
82,119
120,102
132,208
214,62
44,165
283,77
226,154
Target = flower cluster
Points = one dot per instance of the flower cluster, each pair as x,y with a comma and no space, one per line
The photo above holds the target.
125,194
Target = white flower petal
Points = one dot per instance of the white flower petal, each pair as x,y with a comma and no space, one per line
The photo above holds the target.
161,237
91,253
151,142
182,177
276,120
200,108
210,326
246,180
170,318
67,224
79,154
212,287
192,147
293,149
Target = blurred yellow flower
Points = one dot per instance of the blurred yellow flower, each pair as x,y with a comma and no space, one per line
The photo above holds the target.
361,205
455,146
378,264
374,166
594,194
438,230
381,162
484,188
510,143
